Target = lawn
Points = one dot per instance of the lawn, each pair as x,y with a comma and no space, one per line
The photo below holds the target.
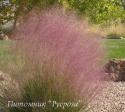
115,48
4,48
5,55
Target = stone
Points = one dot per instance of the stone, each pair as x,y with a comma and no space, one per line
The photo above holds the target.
115,68
6,83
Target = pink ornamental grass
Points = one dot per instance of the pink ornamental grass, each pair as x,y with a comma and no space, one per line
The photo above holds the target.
56,59
60,43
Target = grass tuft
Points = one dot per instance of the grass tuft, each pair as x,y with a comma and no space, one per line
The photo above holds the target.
55,59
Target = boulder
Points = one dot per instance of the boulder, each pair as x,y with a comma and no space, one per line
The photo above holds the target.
115,68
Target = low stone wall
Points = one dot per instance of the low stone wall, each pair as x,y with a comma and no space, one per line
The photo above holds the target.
115,68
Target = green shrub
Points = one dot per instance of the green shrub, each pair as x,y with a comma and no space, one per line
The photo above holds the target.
113,36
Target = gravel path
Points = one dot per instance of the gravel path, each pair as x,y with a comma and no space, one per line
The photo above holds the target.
111,99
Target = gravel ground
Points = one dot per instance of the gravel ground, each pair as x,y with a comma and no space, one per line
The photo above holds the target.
5,83
5,80
111,99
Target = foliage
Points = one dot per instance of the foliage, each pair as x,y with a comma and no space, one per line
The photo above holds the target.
6,12
13,9
100,11
27,5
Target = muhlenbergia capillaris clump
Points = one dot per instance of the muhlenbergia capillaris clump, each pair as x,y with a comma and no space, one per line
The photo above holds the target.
56,60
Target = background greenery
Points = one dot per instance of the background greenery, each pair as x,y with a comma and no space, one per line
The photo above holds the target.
98,11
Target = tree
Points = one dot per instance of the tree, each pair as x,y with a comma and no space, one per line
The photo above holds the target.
13,9
99,11
24,6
